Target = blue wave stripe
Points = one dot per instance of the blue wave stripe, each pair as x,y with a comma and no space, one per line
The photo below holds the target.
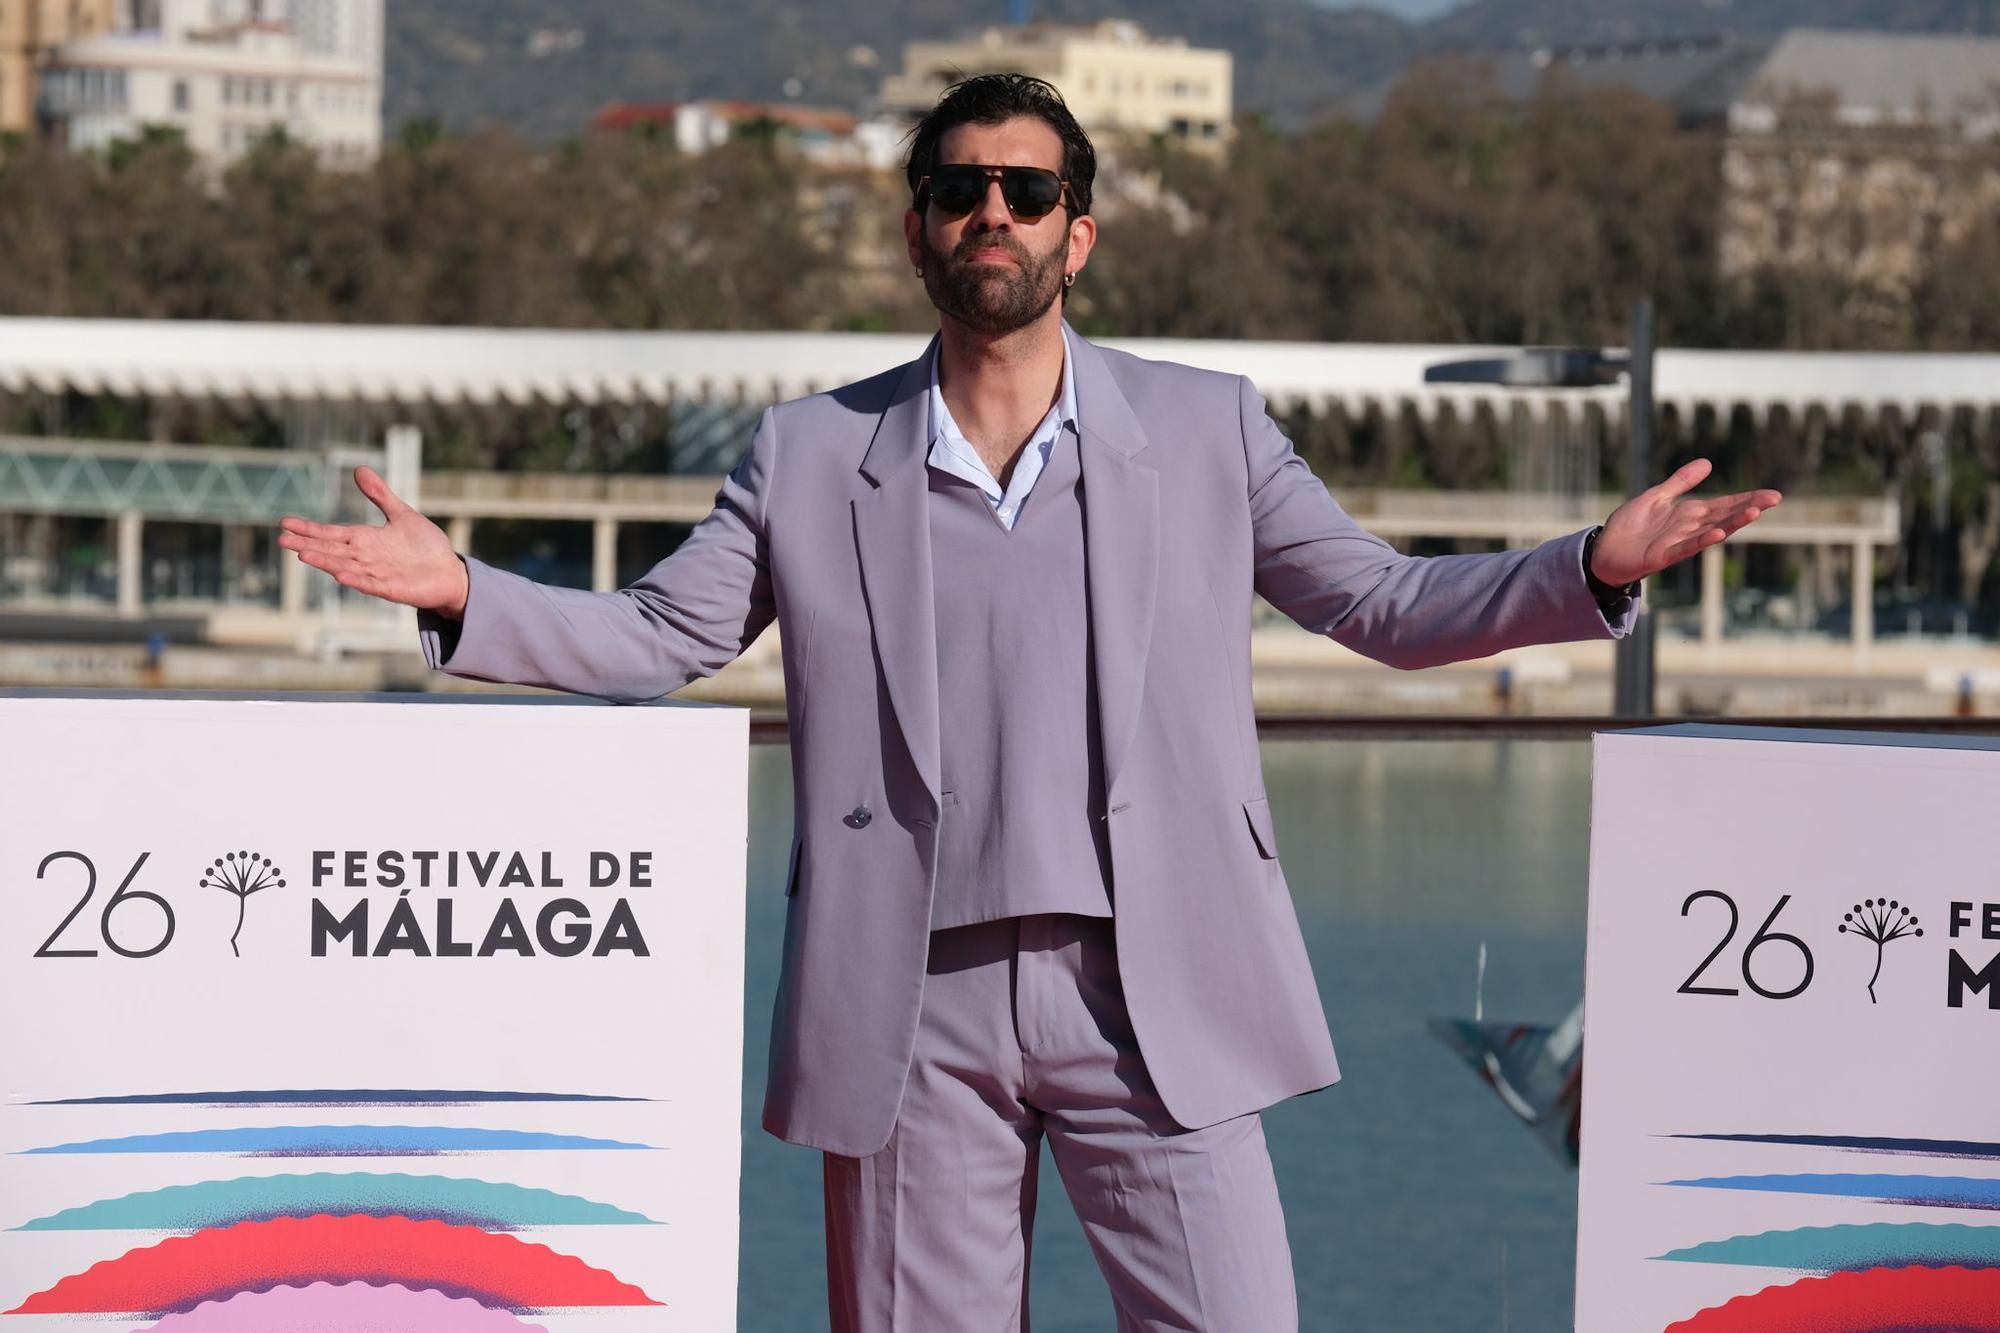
340,1141
1855,1143
331,1097
489,1205
1854,1248
1932,1191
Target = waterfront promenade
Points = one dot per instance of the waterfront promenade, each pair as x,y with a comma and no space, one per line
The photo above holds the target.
142,613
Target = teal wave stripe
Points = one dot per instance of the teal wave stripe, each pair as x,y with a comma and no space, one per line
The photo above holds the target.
1852,1248
341,1141
489,1205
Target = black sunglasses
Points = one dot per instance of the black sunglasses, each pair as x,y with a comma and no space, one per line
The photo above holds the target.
1030,192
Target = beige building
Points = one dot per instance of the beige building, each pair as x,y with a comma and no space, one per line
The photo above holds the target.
1865,155
1862,153
1116,79
29,29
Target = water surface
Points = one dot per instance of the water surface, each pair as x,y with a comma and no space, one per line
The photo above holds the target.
1414,1200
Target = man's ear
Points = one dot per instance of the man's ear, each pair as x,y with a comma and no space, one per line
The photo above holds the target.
913,236
1082,236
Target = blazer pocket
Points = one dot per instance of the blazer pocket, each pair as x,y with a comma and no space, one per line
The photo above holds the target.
792,875
1258,812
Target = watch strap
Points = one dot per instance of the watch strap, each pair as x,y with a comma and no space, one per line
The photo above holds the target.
1602,591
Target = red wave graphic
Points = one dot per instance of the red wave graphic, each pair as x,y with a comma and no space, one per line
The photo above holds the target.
177,1274
1965,1300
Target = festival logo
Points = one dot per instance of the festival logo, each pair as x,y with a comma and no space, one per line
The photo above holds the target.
1880,921
241,874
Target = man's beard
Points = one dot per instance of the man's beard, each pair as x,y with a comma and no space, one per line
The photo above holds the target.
992,298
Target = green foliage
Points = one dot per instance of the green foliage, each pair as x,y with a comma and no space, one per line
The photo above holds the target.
419,135
165,145
1454,217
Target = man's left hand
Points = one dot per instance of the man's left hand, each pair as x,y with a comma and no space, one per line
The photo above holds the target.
1663,526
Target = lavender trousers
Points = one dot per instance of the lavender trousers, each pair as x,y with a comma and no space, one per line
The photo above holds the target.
1023,1032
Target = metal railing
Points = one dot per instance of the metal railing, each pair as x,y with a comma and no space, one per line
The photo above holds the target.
167,481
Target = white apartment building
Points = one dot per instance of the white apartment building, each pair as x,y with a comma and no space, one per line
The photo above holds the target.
225,73
1115,78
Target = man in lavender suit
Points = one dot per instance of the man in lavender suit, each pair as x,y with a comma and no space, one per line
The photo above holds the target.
1034,889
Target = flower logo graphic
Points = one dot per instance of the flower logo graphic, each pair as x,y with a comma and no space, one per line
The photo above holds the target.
242,874
1879,920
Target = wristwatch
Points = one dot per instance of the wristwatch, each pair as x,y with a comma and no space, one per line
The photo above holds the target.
1608,595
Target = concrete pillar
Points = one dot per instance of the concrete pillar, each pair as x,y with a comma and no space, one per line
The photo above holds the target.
1863,595
235,560
459,530
291,583
403,464
1711,596
131,548
403,469
1822,585
604,554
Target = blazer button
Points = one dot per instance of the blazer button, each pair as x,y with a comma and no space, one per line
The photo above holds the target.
858,818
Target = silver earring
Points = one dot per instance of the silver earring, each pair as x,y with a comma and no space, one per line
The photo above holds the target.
1069,279
918,270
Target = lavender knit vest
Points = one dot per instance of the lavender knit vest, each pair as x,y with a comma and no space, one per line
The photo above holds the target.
1023,770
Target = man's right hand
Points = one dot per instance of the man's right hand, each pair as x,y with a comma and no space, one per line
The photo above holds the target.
408,560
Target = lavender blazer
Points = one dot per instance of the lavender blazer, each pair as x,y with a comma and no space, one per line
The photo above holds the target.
1195,502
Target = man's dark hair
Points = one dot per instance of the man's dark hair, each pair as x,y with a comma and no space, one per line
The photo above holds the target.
989,99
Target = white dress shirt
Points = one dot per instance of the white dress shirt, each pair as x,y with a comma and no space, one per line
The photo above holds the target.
952,453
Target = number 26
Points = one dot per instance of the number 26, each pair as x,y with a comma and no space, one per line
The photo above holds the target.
125,894
1764,936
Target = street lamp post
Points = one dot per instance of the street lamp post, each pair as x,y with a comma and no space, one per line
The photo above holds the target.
1592,367
1633,693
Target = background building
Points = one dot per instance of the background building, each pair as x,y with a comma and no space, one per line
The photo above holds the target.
1115,77
1867,153
29,30
225,73
826,135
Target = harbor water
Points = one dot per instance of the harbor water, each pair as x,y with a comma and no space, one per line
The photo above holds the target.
1414,1199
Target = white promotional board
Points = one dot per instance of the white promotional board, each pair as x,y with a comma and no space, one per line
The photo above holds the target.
366,1015
1791,1096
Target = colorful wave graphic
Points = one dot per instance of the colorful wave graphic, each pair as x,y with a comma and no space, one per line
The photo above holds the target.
331,1097
342,1141
1927,1191
1875,1300
1854,1247
1964,1148
326,1308
180,1273
491,1205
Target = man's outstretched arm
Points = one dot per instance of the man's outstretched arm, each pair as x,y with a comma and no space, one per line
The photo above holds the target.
688,617
1318,566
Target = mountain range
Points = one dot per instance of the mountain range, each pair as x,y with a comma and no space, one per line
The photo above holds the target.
542,67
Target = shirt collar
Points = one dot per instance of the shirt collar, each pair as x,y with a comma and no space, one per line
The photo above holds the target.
1064,412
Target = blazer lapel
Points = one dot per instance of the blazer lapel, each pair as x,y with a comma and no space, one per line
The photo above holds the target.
892,534
1122,549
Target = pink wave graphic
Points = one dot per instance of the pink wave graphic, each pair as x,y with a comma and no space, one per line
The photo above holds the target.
181,1272
325,1307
